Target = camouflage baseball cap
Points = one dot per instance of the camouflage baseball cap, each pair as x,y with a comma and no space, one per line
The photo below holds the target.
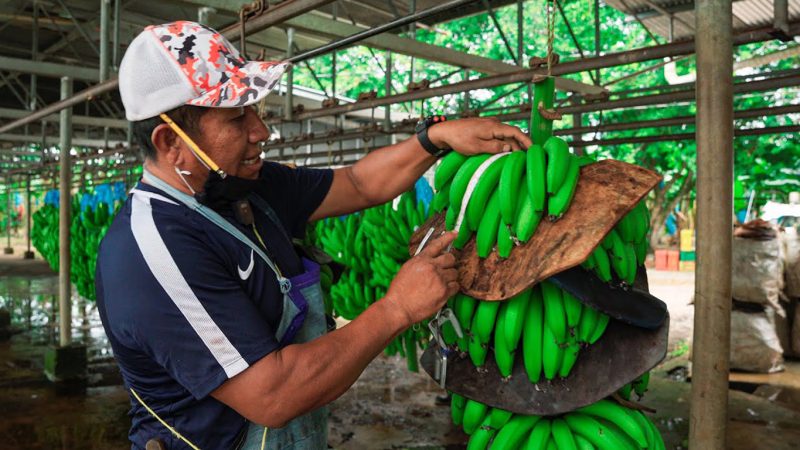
185,63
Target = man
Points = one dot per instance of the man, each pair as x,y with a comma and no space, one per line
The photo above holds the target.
215,320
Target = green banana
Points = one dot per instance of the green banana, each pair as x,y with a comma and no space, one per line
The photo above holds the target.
573,308
464,235
486,185
527,219
587,324
646,427
481,437
602,323
552,353
503,355
551,445
458,187
488,227
555,316
499,417
447,169
543,95
457,403
532,334
477,352
474,413
464,308
594,431
641,252
441,198
511,180
514,432
559,202
589,264
628,443
504,242
562,435
625,391
626,227
558,162
536,175
602,263
483,322
640,384
450,218
539,435
618,256
618,415
515,310
659,441
582,444
630,257
570,356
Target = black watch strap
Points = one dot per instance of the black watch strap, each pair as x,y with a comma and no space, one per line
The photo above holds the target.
425,141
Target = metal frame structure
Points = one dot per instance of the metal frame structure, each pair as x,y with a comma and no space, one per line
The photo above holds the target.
299,30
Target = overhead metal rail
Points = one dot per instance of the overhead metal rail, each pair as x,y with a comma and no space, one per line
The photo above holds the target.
273,16
569,67
284,10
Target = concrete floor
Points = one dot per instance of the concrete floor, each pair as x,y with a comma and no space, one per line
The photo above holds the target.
387,408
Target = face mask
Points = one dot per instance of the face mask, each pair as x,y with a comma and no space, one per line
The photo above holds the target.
220,189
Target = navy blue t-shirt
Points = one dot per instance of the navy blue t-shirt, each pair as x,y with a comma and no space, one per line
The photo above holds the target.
186,306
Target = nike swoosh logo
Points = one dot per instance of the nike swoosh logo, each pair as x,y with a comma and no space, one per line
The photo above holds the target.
245,274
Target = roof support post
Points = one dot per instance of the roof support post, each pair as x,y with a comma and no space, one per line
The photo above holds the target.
115,32
712,320
781,8
34,55
289,104
9,249
387,120
28,214
105,19
64,217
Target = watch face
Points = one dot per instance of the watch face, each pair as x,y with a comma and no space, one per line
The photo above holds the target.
420,126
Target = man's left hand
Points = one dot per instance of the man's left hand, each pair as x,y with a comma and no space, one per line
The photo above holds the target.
478,135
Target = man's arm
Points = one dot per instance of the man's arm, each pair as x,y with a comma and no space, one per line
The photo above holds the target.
386,173
301,377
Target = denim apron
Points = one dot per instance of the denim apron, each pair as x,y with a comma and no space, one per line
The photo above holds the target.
302,320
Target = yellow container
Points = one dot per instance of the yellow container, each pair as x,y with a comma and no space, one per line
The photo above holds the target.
686,266
687,240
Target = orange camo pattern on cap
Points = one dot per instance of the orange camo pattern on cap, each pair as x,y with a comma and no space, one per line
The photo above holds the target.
213,66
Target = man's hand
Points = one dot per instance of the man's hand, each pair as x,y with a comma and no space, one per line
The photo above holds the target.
478,135
426,281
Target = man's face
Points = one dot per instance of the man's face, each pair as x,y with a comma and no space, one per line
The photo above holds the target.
230,137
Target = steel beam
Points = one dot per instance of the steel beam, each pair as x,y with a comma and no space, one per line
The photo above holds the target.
54,140
47,69
9,113
708,416
64,213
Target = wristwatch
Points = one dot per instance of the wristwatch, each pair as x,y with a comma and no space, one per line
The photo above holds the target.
422,134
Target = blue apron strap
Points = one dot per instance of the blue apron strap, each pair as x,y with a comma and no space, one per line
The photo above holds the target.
218,220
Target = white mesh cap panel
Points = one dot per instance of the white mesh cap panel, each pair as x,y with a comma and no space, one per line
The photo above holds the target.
150,82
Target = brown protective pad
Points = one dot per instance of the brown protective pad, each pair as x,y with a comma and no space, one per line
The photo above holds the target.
622,354
607,190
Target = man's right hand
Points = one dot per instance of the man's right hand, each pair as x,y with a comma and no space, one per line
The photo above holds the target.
426,281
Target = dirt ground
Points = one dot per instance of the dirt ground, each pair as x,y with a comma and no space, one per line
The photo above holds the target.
387,408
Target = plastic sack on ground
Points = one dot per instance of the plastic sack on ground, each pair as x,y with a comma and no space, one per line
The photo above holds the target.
791,252
755,346
757,269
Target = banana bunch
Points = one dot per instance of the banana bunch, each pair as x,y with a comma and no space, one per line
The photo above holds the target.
546,324
511,193
372,245
624,249
605,425
88,227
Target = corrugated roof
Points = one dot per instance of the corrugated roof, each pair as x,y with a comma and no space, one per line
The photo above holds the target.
746,14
